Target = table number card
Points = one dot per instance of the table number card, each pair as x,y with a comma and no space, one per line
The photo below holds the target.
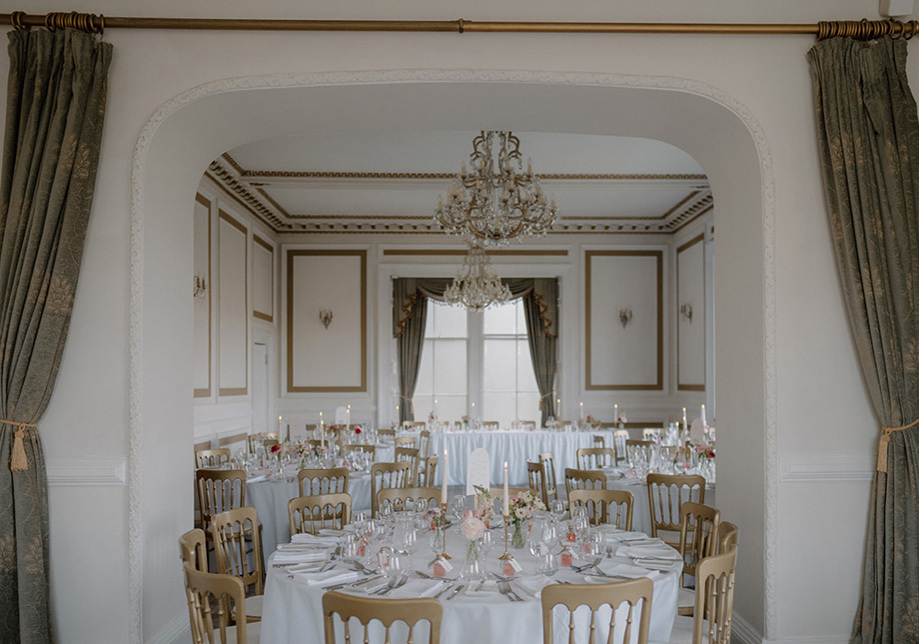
697,431
478,469
341,415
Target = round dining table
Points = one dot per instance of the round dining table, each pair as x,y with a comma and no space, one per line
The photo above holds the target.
472,611
641,506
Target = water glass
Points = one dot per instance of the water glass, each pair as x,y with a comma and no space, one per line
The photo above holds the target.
548,564
458,506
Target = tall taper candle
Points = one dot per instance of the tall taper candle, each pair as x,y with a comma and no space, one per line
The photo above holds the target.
582,411
703,416
348,424
685,423
443,485
506,499
616,413
280,429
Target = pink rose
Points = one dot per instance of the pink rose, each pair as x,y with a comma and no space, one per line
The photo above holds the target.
472,528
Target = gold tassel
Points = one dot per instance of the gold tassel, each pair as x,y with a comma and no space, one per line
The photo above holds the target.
882,452
18,460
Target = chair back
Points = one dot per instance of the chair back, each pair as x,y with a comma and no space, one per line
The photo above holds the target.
620,437
713,613
413,424
368,449
727,536
333,480
584,480
254,439
312,513
386,432
408,455
635,595
232,532
404,441
212,457
427,469
529,425
491,425
219,491
635,447
397,497
268,443
387,475
386,611
605,506
599,440
424,444
698,534
666,495
193,549
596,458
536,475
223,592
548,463
651,433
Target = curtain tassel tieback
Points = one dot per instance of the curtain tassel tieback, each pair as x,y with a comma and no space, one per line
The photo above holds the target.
885,441
411,403
18,460
543,397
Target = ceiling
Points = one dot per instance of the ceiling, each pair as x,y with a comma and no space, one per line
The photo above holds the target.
390,182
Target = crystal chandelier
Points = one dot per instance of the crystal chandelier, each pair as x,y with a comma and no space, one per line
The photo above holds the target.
476,286
497,201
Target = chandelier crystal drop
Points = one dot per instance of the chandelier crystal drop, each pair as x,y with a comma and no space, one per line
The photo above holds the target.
476,286
496,201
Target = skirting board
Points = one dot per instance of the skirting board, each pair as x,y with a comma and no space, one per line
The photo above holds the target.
177,631
743,633
86,472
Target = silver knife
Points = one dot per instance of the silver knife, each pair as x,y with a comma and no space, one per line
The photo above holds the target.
456,590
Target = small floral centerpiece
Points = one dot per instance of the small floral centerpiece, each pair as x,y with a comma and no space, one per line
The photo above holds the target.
521,507
704,450
465,420
484,505
592,422
622,419
435,518
472,528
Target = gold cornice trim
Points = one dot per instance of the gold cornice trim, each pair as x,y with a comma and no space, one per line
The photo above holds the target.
274,203
232,186
306,174
233,163
455,252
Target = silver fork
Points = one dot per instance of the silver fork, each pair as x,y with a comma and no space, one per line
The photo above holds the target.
506,589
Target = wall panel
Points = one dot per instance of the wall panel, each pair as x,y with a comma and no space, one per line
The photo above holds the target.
262,279
690,315
202,337
233,336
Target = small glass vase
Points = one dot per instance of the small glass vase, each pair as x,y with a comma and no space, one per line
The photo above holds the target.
473,569
437,540
518,539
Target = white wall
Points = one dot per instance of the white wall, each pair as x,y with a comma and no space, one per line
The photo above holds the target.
765,179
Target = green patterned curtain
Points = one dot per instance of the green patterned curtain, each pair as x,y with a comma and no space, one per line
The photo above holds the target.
869,142
56,102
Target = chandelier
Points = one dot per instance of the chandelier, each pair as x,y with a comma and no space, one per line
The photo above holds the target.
476,286
497,201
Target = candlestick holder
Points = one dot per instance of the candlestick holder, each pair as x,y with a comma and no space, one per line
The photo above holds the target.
443,514
507,556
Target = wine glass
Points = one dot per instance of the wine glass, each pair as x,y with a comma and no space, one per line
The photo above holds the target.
458,506
557,507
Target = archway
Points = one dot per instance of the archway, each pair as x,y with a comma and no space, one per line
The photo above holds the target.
187,133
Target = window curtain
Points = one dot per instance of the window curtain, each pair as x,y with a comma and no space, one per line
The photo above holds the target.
55,108
869,143
410,305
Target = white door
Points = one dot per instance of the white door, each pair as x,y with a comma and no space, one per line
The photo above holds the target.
260,388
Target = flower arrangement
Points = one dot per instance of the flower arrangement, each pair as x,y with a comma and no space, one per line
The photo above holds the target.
435,518
432,417
338,428
521,507
465,420
472,528
592,422
622,419
704,450
484,505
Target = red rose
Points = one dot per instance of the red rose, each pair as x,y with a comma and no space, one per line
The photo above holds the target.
275,448
357,430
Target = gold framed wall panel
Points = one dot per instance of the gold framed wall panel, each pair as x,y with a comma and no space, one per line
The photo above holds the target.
201,392
291,255
588,258
244,390
261,315
689,244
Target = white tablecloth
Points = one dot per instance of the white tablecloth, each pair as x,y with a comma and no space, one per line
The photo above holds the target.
515,447
641,507
293,609
269,498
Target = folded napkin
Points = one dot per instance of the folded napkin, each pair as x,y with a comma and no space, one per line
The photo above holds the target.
313,566
370,585
418,588
649,541
621,535
483,589
315,540
299,556
330,532
329,577
532,584
656,564
649,552
257,479
629,571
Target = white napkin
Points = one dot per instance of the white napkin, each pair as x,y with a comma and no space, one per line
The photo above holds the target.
314,566
314,539
418,588
257,479
626,570
299,556
483,589
331,532
650,552
329,577
656,564
532,584
370,585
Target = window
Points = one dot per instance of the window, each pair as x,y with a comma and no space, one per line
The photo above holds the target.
477,358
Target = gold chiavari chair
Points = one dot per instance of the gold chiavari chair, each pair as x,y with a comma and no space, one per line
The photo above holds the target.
312,513
698,539
387,475
620,437
651,434
212,457
386,432
599,441
367,449
263,436
328,481
424,444
219,491
529,425
268,443
561,424
666,495
637,594
596,458
232,532
397,496
225,592
605,506
413,424
491,425
427,470
583,480
548,463
193,549
409,455
536,475
713,611
727,536
405,441
386,611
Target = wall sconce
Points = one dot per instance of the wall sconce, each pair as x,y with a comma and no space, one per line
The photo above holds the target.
200,287
625,316
686,312
326,318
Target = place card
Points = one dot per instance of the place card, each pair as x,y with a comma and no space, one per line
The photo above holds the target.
510,567
441,567
341,415
478,470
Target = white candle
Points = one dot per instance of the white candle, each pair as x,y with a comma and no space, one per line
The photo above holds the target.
558,407
685,423
443,485
582,410
321,430
616,412
348,423
280,426
703,416
506,499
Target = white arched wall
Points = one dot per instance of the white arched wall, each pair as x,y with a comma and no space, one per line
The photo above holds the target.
187,133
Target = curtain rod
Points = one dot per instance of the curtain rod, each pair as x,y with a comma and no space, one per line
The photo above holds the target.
860,29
